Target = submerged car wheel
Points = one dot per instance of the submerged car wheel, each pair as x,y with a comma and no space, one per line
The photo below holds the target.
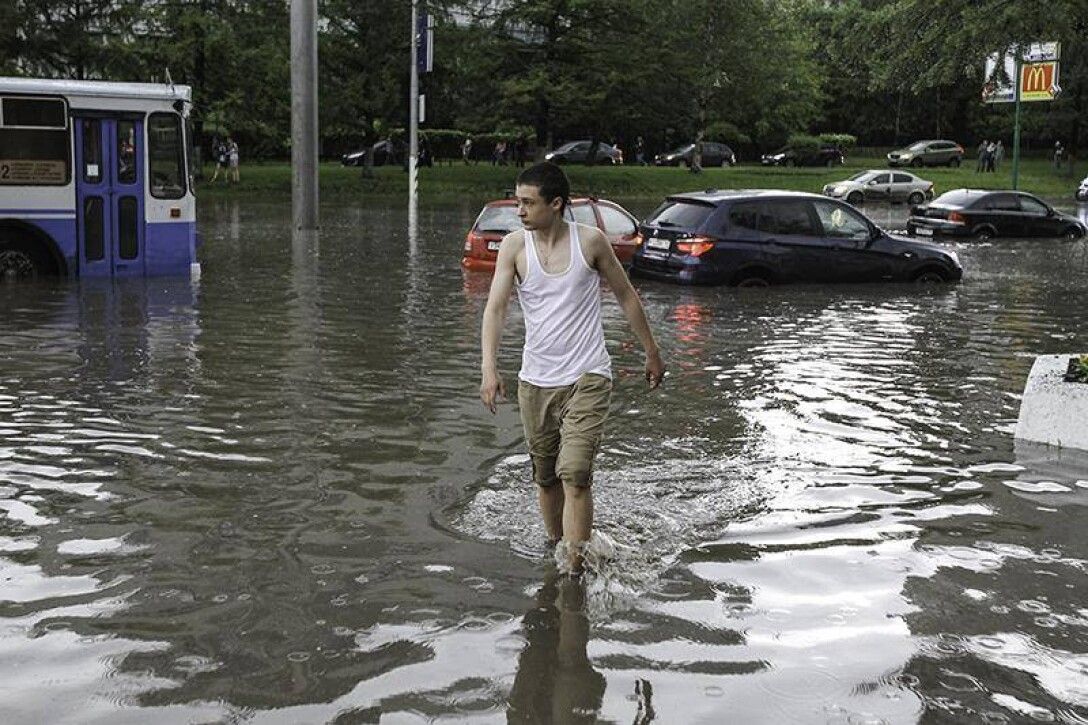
984,234
1072,234
752,278
917,163
855,197
915,198
929,275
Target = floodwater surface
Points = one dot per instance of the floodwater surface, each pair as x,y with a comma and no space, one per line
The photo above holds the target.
273,496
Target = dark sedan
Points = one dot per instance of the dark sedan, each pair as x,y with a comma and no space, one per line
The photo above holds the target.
713,154
982,215
577,152
788,156
756,238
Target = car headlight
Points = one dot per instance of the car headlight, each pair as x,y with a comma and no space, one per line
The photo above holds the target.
838,189
778,157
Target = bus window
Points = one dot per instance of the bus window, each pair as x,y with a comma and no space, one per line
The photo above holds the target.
92,151
126,152
165,156
127,236
34,142
95,236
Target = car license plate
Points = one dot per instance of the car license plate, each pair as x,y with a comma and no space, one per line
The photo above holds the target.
656,243
493,246
923,231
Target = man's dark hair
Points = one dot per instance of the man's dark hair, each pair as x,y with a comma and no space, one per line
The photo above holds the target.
550,179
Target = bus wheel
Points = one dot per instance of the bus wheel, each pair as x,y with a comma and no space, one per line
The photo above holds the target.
16,264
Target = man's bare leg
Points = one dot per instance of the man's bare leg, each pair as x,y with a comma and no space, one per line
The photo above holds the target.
577,522
551,509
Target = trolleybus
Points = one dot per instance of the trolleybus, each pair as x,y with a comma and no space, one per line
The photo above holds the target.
95,180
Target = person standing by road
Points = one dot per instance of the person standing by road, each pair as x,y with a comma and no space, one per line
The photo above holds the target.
982,150
1059,154
565,382
233,159
640,151
466,149
999,154
991,154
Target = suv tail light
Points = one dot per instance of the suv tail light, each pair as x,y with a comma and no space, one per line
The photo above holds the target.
955,216
696,246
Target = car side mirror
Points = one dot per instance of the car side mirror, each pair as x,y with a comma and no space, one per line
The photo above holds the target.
872,182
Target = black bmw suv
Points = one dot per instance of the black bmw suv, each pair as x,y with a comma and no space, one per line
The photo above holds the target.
751,238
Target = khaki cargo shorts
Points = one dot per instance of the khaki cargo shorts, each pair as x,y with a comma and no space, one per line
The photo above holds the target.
563,428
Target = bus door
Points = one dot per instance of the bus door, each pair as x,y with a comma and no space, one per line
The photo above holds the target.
109,195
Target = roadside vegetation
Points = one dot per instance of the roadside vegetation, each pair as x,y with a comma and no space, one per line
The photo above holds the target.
484,181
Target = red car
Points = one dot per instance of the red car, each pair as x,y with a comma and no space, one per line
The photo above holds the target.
499,218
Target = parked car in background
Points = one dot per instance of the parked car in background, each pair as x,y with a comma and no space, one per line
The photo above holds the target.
753,238
983,214
576,152
928,153
384,152
714,154
787,156
1082,191
500,217
881,185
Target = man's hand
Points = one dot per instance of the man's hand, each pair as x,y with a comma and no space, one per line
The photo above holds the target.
492,390
655,369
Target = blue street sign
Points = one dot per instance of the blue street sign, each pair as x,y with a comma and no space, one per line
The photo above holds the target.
425,43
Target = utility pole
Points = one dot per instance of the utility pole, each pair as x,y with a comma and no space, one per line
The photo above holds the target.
413,130
304,114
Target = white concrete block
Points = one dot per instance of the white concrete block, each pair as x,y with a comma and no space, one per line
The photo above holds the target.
1053,411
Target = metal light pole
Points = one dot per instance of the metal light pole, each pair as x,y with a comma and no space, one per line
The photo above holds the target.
413,130
1016,121
304,114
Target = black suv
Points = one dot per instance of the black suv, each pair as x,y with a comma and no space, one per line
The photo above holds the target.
788,156
983,214
756,238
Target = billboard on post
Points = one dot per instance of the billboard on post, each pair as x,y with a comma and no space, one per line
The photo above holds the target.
1038,77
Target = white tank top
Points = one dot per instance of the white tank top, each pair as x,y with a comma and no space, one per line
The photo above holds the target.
564,338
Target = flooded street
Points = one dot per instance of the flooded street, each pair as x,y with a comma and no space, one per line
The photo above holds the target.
273,496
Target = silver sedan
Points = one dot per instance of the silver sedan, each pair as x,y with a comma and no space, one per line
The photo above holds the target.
881,185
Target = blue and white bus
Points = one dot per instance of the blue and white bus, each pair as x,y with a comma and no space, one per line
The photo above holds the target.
94,179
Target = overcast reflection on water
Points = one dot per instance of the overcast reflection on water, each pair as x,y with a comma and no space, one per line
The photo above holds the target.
272,496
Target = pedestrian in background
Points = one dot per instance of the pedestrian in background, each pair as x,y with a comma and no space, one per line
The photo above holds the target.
233,159
1059,154
219,153
640,151
999,154
466,149
982,156
991,154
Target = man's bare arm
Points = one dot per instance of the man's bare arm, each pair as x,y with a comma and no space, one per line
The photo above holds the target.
492,388
604,260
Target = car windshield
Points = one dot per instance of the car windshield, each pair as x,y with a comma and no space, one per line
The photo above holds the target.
920,146
862,176
502,219
959,197
688,215
568,146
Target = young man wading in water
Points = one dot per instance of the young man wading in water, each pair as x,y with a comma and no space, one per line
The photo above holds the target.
565,381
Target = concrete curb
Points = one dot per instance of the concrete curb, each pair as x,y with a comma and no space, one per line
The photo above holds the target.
1052,411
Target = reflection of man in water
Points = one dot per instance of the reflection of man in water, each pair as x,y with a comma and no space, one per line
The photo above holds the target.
556,682
565,382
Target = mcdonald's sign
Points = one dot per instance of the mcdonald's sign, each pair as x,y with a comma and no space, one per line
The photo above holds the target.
1039,81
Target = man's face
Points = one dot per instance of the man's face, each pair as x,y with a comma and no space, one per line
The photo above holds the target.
533,211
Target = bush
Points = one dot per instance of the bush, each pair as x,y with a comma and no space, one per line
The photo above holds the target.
841,141
727,133
803,142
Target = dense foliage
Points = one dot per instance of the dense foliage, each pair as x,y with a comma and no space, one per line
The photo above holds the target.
748,72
